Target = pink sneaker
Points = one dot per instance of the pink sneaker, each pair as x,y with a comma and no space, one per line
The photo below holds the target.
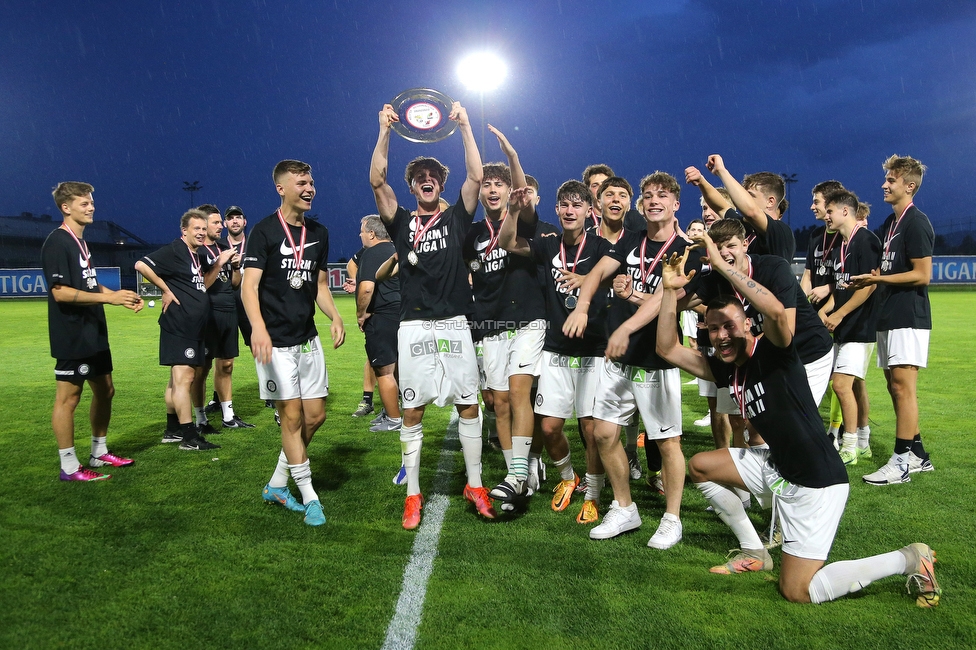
109,459
84,474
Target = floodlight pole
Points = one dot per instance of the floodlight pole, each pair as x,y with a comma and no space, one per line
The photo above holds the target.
192,188
788,180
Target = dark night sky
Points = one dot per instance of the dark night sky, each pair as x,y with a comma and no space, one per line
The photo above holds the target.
137,97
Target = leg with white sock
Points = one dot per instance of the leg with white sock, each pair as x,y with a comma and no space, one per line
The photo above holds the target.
411,442
469,434
841,578
66,401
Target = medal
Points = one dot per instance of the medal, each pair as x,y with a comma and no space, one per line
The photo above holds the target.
570,300
298,252
474,265
419,233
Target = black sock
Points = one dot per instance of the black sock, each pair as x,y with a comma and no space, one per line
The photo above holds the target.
903,446
189,431
653,453
172,422
917,447
368,397
215,398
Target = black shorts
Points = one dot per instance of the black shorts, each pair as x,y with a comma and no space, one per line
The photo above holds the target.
78,371
381,339
178,351
220,336
242,322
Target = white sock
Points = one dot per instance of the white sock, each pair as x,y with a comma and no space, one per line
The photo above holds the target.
411,442
729,508
201,416
507,455
302,474
565,467
469,433
842,578
745,496
520,457
280,477
833,431
850,442
227,408
69,461
534,460
864,437
594,486
98,447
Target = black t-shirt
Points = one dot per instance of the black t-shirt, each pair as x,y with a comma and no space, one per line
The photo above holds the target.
507,292
546,251
437,286
183,273
810,336
629,251
386,294
76,331
860,257
819,249
289,314
780,407
777,240
222,290
911,239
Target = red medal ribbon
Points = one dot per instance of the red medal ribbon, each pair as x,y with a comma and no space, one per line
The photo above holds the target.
845,245
420,232
492,236
645,274
894,228
738,388
82,246
579,251
297,252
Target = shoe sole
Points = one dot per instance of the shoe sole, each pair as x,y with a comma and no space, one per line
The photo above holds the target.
907,479
602,535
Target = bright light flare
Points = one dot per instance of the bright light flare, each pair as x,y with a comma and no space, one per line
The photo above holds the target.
482,71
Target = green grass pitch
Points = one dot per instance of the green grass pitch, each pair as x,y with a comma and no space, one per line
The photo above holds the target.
179,551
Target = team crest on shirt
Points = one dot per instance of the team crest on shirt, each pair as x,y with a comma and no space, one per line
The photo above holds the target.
83,369
189,353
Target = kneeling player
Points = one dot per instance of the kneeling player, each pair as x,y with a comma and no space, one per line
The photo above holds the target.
800,469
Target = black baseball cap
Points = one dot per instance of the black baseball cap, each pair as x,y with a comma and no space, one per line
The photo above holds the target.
234,210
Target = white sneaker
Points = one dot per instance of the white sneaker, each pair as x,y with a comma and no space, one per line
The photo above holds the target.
668,532
705,421
617,520
387,423
918,464
891,472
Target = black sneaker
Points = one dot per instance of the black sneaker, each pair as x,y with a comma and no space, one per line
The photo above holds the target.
197,443
277,418
212,406
207,429
172,436
237,423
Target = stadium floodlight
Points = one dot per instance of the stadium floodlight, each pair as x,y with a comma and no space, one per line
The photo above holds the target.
482,71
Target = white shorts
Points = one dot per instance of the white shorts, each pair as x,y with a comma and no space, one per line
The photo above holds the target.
479,352
512,352
852,358
294,372
437,363
689,323
706,388
655,394
809,516
567,385
903,347
818,375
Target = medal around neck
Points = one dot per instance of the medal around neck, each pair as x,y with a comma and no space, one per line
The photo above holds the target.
296,281
570,302
412,258
423,115
474,265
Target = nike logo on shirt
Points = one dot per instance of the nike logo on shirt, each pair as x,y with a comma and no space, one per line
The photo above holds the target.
288,250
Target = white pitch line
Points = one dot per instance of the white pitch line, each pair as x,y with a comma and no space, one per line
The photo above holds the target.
402,631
